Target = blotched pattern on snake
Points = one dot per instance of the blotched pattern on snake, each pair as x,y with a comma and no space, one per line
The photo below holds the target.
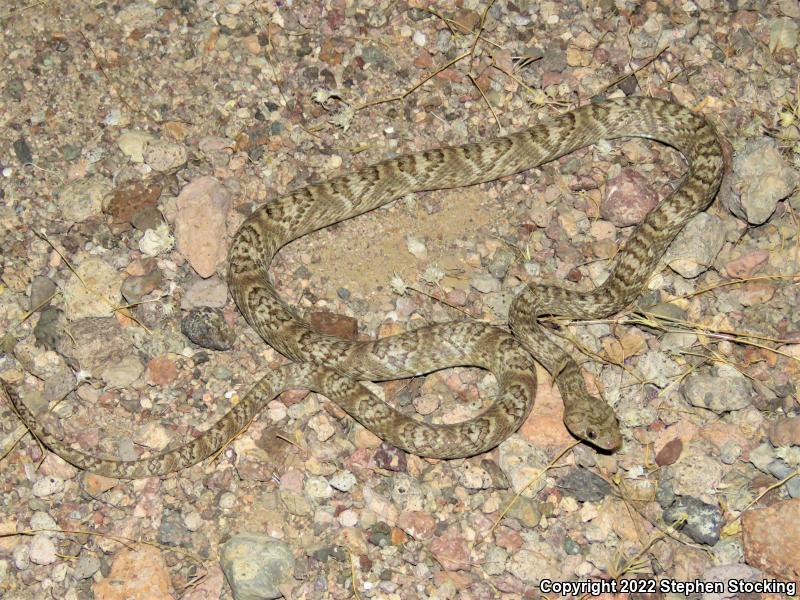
334,366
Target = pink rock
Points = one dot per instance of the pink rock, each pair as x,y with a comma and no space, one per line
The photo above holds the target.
771,539
785,432
161,371
417,524
202,209
136,574
544,427
744,266
451,550
628,198
508,539
292,480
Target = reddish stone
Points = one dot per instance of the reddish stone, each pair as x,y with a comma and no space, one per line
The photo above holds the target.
161,371
136,574
451,550
746,265
417,524
670,453
129,198
771,539
629,197
508,539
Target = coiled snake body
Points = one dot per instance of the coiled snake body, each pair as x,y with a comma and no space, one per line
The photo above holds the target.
334,366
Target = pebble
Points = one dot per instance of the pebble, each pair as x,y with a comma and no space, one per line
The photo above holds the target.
390,458
94,291
348,518
670,453
730,452
132,144
42,520
522,463
628,198
295,503
147,217
583,485
525,510
21,556
451,550
419,525
135,288
193,520
695,474
785,431
378,504
696,246
227,500
42,290
123,373
207,328
322,426
426,404
50,327
256,566
211,292
132,197
703,521
83,198
201,213
343,481
771,539
724,391
162,371
783,33
484,283
23,151
164,156
88,564
474,477
43,549
416,247
317,488
494,562
747,264
763,178
138,572
47,485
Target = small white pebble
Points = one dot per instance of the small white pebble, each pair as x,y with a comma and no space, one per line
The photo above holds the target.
419,38
193,521
348,518
227,500
47,485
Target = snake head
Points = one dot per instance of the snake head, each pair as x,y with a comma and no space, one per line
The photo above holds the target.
594,422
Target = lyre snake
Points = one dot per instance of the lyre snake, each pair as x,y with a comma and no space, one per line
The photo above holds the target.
334,366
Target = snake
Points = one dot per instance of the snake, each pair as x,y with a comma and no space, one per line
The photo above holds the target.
337,367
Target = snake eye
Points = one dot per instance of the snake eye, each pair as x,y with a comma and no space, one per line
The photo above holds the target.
591,434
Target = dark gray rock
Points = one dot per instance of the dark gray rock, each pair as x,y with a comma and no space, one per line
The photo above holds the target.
207,328
702,521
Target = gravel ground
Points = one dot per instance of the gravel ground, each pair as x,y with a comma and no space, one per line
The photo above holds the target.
136,136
